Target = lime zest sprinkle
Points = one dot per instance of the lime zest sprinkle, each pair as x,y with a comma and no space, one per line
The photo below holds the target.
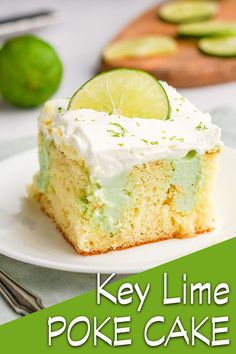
181,99
150,142
191,154
172,138
121,144
145,141
201,126
117,134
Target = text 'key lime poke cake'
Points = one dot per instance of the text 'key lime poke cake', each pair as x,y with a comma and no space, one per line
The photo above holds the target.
126,161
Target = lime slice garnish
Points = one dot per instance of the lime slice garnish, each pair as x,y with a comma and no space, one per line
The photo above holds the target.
208,28
140,47
219,46
127,92
188,11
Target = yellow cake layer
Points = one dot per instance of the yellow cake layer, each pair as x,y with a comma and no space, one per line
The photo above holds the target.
147,208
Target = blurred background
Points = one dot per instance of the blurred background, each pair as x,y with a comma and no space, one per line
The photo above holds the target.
83,29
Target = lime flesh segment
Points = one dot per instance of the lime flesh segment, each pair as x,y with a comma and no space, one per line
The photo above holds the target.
140,47
219,46
188,11
207,29
126,92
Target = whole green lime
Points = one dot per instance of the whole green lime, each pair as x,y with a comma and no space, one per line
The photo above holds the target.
30,71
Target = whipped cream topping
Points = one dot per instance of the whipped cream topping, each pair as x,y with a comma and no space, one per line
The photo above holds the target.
112,144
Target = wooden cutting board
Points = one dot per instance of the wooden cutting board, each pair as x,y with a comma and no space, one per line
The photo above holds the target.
188,67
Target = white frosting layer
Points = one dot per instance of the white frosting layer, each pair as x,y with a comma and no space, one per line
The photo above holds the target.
111,144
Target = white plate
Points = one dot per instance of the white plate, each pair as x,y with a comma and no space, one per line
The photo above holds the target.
26,234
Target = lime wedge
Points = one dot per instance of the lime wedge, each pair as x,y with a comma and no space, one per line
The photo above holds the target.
127,92
219,46
208,28
188,11
140,47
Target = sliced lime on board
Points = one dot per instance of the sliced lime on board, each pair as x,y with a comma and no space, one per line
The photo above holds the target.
140,47
127,92
219,46
188,11
207,29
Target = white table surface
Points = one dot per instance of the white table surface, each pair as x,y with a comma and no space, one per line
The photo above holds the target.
85,27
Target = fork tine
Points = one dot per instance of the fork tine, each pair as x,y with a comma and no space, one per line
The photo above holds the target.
20,299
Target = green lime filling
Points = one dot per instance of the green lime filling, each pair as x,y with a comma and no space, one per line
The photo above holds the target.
44,163
82,204
104,203
186,175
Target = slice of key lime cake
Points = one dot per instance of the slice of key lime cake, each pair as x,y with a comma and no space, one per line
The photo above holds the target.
126,161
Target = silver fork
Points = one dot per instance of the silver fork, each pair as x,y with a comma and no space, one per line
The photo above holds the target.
21,300
27,22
